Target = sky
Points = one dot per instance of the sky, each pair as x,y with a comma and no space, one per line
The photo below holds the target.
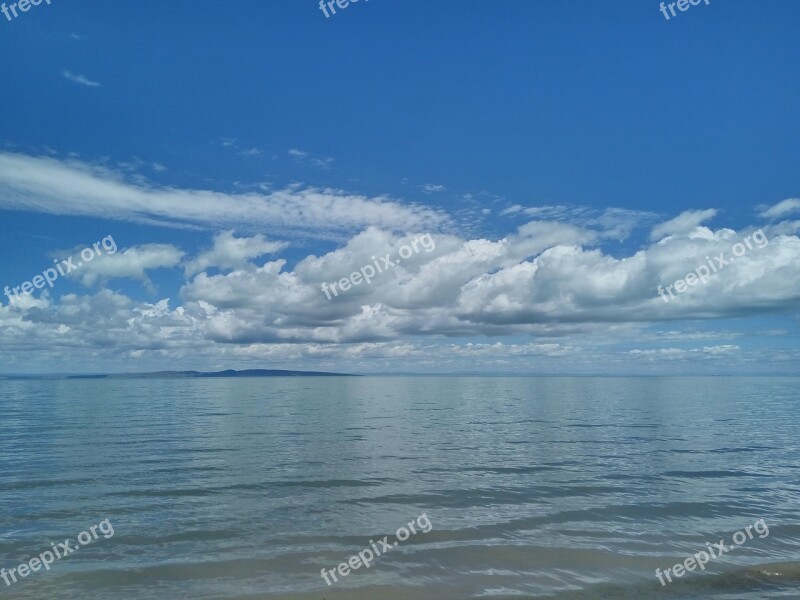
525,180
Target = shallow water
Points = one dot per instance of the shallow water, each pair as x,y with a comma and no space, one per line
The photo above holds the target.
535,487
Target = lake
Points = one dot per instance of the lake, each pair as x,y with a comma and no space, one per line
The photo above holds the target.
547,487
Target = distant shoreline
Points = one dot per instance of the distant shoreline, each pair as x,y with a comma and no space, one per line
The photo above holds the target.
229,373
258,373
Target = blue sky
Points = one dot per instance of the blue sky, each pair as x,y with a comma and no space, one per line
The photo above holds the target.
541,144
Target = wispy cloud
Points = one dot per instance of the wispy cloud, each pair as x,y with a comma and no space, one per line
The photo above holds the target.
322,163
75,187
240,151
781,209
301,156
614,223
683,224
79,79
430,188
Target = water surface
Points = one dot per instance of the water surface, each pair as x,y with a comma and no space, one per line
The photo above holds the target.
536,487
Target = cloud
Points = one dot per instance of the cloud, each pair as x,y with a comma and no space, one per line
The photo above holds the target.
303,157
80,79
684,223
430,188
109,332
781,209
72,187
551,286
512,210
322,163
229,252
613,223
542,279
707,352
132,263
240,151
553,212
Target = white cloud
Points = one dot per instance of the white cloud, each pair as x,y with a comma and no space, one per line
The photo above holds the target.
110,332
300,156
781,209
80,79
430,188
132,263
552,212
612,223
233,144
683,224
439,310
512,210
230,252
707,352
322,162
540,279
72,187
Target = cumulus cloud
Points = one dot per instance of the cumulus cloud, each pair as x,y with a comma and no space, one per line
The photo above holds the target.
117,334
132,263
545,278
229,252
554,283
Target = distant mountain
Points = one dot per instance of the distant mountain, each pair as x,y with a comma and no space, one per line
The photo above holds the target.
188,374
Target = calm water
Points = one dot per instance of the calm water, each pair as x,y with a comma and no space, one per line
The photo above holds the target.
543,487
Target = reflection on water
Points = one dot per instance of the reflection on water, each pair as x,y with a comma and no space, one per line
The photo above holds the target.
536,487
